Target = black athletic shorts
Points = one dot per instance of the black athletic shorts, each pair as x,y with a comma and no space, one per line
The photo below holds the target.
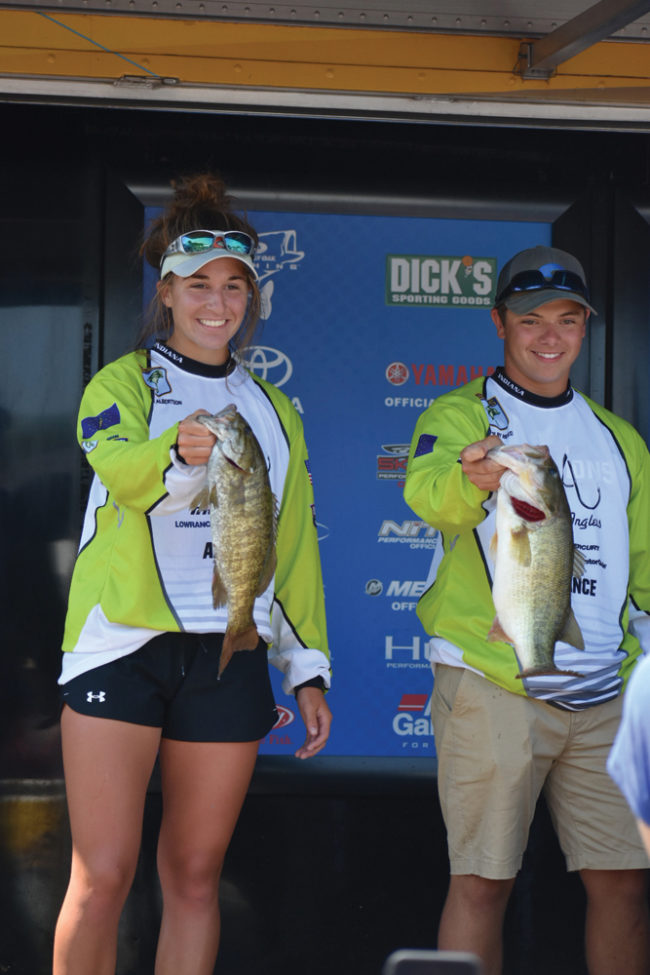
172,683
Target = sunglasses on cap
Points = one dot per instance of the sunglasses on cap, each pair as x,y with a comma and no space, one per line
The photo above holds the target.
199,241
536,280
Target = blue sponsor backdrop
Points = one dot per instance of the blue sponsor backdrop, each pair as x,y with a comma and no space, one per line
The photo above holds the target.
368,319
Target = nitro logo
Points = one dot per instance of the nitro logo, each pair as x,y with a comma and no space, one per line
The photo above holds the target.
391,466
413,720
415,534
420,280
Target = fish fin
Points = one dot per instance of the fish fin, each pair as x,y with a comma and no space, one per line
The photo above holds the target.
246,640
572,633
498,633
540,671
201,500
214,497
578,563
219,591
226,653
268,571
493,547
521,546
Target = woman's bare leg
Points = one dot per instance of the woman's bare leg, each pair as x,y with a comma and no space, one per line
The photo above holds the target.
204,785
107,768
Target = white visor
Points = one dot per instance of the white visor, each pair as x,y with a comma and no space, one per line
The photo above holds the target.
185,265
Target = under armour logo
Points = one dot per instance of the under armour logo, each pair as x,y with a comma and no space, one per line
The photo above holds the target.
100,696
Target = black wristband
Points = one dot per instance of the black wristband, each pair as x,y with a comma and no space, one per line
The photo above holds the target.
314,682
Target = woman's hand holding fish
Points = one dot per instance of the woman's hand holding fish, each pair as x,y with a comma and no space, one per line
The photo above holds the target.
482,471
317,717
195,442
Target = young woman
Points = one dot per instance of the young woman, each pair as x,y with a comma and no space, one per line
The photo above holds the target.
143,640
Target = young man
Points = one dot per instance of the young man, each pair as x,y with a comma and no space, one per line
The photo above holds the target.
501,739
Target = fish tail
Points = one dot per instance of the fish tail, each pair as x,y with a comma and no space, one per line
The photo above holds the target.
540,671
246,640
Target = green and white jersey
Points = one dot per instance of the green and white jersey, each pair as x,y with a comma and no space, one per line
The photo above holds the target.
145,557
605,469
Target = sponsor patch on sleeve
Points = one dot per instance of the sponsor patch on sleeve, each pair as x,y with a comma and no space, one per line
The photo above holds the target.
107,418
425,444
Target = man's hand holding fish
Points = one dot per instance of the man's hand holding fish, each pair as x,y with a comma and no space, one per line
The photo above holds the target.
481,469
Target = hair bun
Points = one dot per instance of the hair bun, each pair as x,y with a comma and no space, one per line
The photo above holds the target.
200,202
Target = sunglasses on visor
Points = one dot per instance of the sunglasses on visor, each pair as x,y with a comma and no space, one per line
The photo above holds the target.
536,280
198,241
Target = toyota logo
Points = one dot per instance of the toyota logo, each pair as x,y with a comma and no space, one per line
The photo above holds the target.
270,364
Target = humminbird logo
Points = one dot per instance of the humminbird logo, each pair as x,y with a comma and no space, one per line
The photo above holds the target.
425,281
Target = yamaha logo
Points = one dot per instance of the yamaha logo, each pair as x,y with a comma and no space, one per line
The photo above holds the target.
269,364
397,373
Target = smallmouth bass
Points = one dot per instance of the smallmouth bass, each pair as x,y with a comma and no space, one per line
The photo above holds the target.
243,520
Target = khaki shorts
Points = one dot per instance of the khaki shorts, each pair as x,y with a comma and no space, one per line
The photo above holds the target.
497,751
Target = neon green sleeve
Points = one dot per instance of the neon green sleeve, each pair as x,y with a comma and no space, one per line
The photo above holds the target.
436,488
113,430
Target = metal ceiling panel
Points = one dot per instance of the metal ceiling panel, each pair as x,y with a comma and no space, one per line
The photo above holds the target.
597,23
521,18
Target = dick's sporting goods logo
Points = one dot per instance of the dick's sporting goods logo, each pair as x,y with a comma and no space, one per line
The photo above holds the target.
422,280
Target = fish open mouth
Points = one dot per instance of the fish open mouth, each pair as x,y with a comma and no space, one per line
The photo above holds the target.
527,511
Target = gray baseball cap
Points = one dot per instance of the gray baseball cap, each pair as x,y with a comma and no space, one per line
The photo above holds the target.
535,276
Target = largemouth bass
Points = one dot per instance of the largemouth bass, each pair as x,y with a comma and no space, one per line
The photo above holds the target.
243,519
534,560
